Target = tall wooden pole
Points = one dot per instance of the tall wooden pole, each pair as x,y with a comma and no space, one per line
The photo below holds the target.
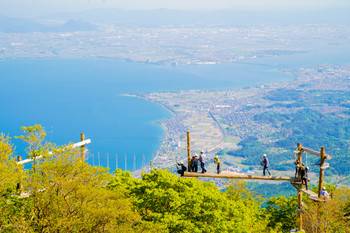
19,185
320,186
134,165
189,151
320,181
98,155
82,148
300,194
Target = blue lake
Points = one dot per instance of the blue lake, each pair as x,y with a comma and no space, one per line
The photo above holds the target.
73,96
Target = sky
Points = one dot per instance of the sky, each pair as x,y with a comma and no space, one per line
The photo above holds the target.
27,8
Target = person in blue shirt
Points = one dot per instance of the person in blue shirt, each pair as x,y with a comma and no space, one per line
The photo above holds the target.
266,165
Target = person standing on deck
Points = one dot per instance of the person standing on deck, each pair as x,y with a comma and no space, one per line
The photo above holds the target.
217,161
304,176
296,163
202,161
194,163
266,164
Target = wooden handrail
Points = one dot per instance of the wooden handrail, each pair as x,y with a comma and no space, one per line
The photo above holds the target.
304,149
75,145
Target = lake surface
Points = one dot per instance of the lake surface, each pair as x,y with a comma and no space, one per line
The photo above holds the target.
73,96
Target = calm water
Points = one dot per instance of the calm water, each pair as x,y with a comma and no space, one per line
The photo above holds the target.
71,96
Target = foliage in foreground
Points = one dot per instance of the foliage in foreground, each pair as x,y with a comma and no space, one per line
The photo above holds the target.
66,194
190,205
69,195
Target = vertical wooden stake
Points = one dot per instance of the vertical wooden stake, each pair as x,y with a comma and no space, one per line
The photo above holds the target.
134,167
300,194
82,148
98,155
320,181
19,185
189,151
320,186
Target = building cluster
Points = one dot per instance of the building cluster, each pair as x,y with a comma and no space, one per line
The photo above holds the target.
235,111
170,45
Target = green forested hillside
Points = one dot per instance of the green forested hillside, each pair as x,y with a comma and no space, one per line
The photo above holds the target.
305,124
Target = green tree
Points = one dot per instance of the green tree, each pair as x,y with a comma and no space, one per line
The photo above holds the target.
282,213
190,205
331,215
10,174
68,195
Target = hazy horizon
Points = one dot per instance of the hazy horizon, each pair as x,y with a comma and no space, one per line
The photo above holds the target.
25,8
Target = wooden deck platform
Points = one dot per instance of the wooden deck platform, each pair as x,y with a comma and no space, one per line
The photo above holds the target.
234,175
313,196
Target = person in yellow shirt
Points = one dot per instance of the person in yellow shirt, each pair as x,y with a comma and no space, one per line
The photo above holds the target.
217,161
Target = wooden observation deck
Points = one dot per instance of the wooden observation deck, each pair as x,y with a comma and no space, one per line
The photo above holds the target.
234,175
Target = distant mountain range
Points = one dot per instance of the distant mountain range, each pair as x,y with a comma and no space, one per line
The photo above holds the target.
166,17
86,20
18,25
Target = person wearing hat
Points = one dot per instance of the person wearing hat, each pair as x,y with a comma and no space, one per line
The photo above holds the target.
296,163
202,161
217,161
194,163
324,193
304,176
182,168
266,164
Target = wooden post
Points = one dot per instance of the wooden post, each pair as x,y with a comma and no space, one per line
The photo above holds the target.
19,184
134,165
320,181
320,186
189,151
98,156
82,148
300,194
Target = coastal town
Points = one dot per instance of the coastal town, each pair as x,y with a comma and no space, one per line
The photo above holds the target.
185,45
219,120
